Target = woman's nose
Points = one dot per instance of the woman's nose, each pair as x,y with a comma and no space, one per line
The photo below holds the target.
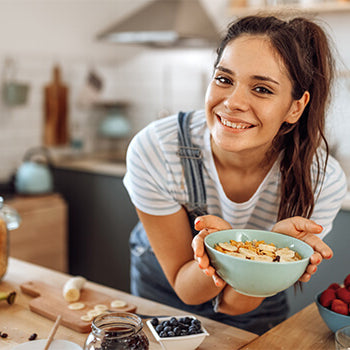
236,98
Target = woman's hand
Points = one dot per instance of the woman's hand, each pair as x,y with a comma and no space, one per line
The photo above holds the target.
305,230
205,225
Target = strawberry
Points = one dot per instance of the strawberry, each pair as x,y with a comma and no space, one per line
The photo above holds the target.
347,281
343,294
334,286
327,297
340,307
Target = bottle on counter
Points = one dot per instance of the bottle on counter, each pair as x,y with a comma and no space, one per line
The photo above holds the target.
117,331
9,220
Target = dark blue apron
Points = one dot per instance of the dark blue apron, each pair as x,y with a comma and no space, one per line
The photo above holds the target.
147,277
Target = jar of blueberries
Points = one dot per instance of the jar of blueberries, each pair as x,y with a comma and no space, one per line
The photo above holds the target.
117,331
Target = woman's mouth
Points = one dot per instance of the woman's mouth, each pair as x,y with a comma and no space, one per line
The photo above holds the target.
235,125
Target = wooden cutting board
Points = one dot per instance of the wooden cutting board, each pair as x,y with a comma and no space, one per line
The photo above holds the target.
48,301
56,111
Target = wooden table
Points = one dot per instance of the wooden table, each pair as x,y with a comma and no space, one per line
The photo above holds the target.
19,322
305,330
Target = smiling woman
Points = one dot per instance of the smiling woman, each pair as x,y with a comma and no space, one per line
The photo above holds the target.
251,159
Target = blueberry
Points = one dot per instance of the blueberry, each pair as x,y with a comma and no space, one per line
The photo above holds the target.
177,330
155,322
188,320
171,334
159,328
166,323
184,332
163,334
196,322
167,329
173,321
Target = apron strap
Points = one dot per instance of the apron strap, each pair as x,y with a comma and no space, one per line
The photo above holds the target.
192,165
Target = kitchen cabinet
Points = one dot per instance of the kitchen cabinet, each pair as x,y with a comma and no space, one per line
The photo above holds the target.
42,236
333,270
101,217
240,8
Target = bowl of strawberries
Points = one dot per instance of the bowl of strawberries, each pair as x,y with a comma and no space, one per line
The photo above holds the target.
334,304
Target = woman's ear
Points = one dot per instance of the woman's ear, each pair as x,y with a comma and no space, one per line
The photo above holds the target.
297,108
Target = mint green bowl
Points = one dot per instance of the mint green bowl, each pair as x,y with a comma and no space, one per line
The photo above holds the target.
257,278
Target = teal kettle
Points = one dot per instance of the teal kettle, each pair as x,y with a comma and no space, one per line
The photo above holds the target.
34,175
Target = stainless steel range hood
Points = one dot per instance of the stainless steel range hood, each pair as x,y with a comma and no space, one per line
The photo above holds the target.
165,23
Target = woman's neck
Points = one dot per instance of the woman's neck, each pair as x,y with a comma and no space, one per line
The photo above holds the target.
241,174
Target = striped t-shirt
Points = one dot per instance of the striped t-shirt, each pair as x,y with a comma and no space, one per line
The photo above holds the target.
156,183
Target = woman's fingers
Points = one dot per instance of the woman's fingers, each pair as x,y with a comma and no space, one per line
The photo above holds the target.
218,281
198,243
305,277
211,222
323,250
316,259
305,230
203,261
205,225
297,226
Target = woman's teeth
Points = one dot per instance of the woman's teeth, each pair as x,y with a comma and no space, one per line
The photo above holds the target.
234,125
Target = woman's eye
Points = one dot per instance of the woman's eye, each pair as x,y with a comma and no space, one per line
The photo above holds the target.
222,80
262,90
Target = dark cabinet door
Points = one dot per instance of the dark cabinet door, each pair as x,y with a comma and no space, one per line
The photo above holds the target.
101,217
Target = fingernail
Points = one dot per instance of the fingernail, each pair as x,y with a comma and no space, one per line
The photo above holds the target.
197,220
206,272
217,283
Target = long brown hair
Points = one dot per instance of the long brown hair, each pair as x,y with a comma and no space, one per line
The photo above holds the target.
305,50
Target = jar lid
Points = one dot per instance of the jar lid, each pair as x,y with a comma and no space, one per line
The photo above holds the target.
9,215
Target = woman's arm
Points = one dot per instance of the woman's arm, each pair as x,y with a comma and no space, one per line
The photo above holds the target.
170,237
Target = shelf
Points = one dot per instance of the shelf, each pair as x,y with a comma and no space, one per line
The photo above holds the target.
316,8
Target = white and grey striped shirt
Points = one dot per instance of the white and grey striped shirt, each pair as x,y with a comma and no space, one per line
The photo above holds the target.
156,183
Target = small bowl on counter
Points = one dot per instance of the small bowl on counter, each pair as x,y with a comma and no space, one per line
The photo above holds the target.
177,332
253,277
333,304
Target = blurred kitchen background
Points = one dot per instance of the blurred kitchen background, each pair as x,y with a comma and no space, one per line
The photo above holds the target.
84,98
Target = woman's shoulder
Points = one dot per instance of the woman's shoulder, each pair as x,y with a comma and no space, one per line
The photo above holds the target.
334,179
333,168
165,131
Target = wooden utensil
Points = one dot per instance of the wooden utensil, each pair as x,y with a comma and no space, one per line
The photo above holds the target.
48,301
56,111
53,332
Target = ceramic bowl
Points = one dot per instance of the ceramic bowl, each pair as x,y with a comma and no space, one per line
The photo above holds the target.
333,320
257,278
184,342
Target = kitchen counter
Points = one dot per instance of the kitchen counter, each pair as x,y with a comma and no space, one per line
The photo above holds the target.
98,163
19,322
304,330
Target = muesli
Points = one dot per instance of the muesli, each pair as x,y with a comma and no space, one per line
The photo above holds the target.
258,251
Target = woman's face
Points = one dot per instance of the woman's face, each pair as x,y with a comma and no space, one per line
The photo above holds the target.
249,97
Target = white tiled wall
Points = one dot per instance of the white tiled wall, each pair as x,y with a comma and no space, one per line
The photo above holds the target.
154,82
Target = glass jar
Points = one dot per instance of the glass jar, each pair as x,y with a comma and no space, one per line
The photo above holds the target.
9,220
117,331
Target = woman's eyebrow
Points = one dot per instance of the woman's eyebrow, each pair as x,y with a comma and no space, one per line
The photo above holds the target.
255,77
223,69
265,78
